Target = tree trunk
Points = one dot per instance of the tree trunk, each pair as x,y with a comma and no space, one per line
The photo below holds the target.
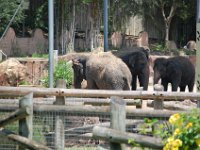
70,46
168,19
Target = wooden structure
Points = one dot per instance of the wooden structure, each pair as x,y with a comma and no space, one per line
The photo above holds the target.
24,114
117,108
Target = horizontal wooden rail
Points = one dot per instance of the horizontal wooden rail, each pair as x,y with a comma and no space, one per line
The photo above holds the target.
30,144
123,137
21,91
102,110
17,115
101,101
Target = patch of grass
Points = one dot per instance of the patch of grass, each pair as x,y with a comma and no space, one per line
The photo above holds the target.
36,55
81,148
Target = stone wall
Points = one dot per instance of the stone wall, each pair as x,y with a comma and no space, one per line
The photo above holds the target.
12,45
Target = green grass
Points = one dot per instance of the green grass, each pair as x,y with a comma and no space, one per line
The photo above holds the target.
81,148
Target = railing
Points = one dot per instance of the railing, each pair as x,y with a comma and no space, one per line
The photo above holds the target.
116,108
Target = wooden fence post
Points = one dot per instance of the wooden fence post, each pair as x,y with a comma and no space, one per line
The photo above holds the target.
59,124
118,119
158,104
141,102
26,124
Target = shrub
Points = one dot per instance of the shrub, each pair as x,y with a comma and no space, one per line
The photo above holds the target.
180,132
185,133
62,70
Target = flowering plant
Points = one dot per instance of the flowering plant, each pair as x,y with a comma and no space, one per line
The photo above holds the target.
185,132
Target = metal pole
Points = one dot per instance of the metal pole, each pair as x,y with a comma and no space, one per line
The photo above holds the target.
51,41
105,25
198,49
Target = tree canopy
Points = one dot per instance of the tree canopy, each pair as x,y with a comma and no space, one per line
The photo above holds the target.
72,16
7,10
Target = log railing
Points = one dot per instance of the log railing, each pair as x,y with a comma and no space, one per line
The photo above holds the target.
24,112
24,115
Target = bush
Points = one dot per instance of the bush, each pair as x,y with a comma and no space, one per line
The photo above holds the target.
180,132
63,70
185,133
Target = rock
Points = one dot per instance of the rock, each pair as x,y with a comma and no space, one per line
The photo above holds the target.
12,72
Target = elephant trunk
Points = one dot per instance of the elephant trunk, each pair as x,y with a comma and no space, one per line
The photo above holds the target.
157,77
77,82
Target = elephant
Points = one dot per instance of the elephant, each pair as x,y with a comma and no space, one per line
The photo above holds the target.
178,70
137,61
102,71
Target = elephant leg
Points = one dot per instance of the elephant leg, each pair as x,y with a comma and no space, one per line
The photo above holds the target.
165,85
175,83
91,84
182,88
143,80
174,86
134,82
191,86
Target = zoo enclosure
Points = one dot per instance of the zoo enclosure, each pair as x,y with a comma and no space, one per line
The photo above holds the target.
57,115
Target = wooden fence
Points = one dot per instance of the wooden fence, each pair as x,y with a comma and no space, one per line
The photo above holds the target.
24,115
25,112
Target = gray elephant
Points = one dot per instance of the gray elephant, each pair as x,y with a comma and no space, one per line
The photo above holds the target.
178,71
102,71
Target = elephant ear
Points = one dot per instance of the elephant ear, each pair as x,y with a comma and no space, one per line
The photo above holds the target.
79,66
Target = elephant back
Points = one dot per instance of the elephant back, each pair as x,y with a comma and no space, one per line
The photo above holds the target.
106,66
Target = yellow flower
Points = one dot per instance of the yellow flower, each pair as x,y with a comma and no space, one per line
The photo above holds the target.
177,143
189,125
173,119
174,148
198,142
170,139
177,131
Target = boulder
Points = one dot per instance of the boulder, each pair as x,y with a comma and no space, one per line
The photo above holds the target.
12,72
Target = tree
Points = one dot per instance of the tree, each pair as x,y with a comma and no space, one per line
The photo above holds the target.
7,10
120,12
167,9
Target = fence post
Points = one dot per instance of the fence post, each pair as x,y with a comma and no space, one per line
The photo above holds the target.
140,104
117,119
26,124
60,100
59,124
158,104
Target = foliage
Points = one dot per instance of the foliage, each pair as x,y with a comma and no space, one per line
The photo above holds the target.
190,52
187,11
181,132
161,12
24,83
185,133
7,10
62,70
40,15
36,55
157,47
